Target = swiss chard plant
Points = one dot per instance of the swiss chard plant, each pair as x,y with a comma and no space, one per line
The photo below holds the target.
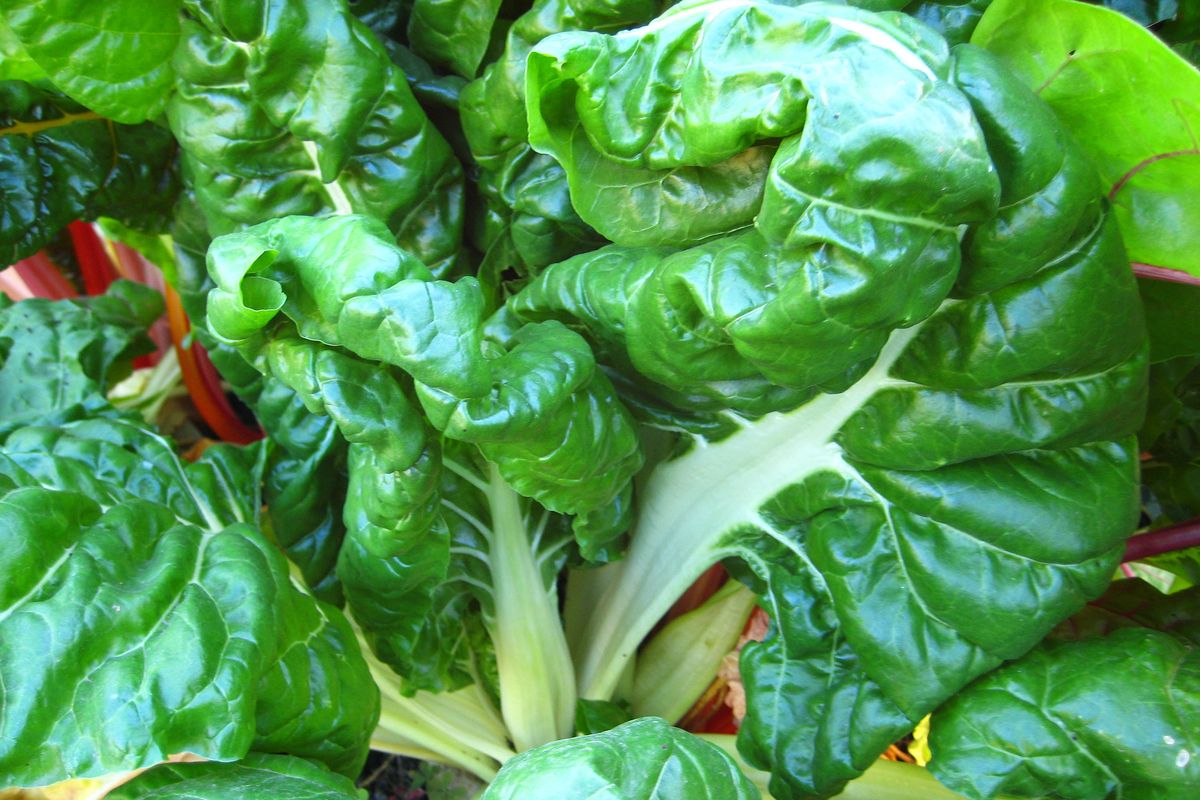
524,323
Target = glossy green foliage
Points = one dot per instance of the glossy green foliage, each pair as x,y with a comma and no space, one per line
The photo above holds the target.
58,359
530,221
535,404
306,475
1057,723
15,62
1141,138
75,42
358,314
255,777
645,759
305,484
60,162
299,110
597,716
454,34
144,614
889,260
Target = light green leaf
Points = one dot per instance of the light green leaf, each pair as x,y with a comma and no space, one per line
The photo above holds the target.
1130,101
531,222
113,57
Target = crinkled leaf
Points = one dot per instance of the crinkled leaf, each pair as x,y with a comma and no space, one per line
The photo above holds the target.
529,220
641,760
333,308
455,34
535,405
113,57
60,162
1057,723
641,159
937,413
336,131
1131,102
255,777
144,614
59,358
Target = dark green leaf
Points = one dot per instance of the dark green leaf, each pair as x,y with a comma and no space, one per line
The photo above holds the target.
144,614
60,162
1095,718
299,110
911,405
597,716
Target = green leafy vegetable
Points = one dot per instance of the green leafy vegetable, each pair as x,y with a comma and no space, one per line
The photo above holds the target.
59,359
302,112
530,221
453,33
255,777
936,416
304,300
60,162
640,760
112,57
1057,722
1131,103
1171,434
144,614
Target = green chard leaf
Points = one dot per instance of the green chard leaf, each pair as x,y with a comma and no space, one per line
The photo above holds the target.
645,759
255,777
76,43
438,524
15,62
336,131
529,221
306,477
1131,102
914,314
60,162
59,358
145,614
1057,723
455,34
